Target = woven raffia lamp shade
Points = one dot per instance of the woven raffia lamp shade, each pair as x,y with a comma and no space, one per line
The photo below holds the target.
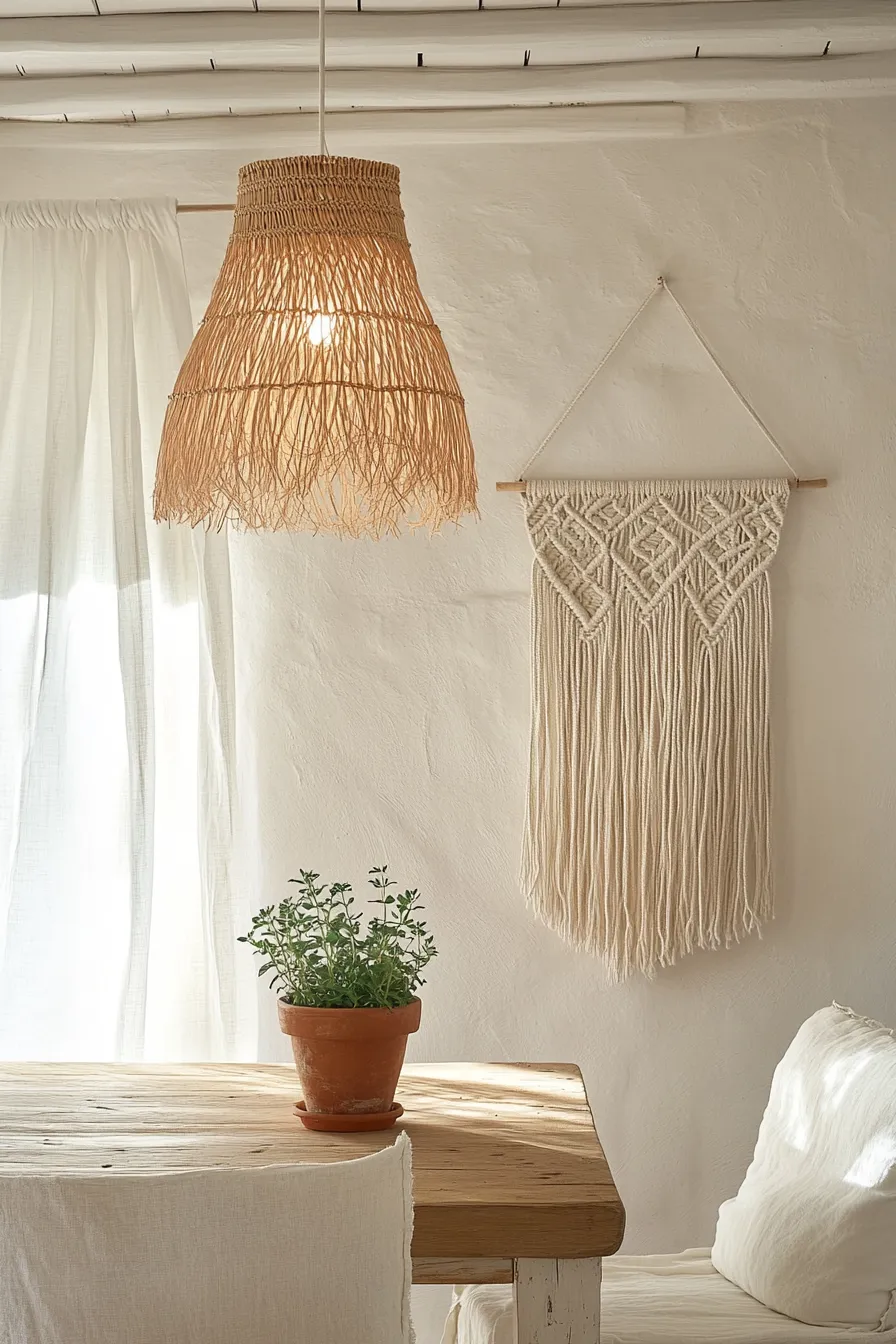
317,393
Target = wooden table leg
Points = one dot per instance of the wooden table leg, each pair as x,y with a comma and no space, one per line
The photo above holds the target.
557,1301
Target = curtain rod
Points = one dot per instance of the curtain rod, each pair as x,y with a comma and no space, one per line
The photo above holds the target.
795,483
195,209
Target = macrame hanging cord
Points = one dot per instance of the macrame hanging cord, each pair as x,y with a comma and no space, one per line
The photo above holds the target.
662,285
647,832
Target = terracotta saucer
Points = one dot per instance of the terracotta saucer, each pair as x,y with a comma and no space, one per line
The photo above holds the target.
350,1124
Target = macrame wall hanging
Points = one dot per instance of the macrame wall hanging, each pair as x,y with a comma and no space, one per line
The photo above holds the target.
647,832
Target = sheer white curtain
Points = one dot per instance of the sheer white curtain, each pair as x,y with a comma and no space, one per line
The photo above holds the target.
118,911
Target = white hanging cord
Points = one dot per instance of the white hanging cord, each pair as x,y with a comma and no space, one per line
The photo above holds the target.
661,284
757,420
322,74
585,386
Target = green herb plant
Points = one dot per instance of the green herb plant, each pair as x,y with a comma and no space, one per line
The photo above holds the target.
323,954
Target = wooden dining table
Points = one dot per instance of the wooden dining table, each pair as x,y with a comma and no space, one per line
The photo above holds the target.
510,1181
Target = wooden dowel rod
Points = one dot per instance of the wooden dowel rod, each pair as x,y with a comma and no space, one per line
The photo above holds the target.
201,209
795,483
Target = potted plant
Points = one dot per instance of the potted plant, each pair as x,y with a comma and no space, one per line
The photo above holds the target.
347,994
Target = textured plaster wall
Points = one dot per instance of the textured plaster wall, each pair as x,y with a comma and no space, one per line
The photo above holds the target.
383,689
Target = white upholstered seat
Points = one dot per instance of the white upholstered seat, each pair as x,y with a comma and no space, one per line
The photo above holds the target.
810,1232
656,1299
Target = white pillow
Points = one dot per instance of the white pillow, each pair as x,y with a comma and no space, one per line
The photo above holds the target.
314,1254
812,1231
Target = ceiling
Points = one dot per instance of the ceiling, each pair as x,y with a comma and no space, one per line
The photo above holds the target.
152,60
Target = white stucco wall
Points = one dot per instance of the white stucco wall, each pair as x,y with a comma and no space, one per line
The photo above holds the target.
384,688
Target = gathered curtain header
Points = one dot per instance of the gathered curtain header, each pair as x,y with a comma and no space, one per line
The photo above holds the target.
91,216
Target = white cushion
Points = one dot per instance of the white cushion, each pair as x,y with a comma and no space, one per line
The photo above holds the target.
270,1255
812,1230
655,1299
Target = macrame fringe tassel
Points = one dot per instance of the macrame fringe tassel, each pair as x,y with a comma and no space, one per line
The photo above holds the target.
649,798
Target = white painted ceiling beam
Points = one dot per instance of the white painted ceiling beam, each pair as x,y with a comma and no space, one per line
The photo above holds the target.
198,93
645,31
348,131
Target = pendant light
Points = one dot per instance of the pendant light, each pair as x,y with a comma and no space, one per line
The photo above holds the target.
317,393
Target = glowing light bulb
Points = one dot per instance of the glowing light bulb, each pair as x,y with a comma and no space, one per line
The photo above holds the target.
319,329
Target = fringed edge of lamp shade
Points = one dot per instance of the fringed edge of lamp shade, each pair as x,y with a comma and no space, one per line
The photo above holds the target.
317,393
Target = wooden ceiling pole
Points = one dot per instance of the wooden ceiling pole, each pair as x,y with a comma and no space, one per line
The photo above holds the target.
553,35
249,92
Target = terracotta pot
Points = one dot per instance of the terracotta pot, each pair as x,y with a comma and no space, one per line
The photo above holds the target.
349,1059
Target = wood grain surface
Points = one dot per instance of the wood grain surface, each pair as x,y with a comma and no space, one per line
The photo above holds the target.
507,1163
